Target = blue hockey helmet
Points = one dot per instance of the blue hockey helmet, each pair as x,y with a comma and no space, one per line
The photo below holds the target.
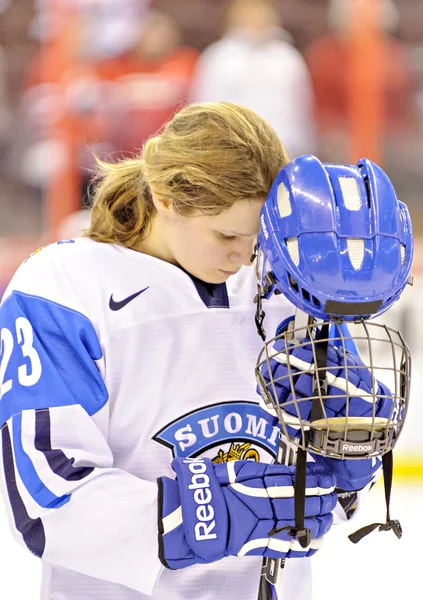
334,239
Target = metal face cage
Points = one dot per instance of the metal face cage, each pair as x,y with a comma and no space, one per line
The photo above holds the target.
328,414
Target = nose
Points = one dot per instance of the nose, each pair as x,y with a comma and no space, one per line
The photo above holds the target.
241,255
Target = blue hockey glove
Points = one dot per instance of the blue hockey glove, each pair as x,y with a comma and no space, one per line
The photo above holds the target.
238,508
358,377
351,474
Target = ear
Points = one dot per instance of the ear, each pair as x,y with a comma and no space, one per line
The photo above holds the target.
162,204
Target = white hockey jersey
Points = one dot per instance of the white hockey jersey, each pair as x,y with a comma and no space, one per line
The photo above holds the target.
113,363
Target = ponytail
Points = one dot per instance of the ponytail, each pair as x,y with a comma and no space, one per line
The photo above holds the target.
122,203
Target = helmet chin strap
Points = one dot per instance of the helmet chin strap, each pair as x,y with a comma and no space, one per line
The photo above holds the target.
394,524
387,466
303,534
260,314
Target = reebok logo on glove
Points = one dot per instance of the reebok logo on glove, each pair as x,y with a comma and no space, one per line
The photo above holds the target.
200,483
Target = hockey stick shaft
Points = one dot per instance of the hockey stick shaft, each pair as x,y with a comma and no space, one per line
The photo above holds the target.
271,580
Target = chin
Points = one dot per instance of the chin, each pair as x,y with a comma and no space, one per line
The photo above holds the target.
214,278
223,276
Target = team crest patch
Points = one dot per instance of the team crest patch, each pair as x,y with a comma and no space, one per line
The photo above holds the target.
222,432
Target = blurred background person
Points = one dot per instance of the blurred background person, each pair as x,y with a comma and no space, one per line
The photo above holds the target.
328,58
149,81
52,92
117,95
256,64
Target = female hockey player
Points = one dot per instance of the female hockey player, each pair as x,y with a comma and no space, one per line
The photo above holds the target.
128,355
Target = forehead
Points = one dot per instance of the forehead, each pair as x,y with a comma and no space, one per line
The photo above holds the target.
242,217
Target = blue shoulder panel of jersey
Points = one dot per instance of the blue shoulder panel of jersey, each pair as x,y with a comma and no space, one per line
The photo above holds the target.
47,357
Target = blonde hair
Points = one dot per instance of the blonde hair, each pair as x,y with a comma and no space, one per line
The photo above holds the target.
208,157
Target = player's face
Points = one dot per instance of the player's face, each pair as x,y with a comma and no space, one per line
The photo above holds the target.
213,248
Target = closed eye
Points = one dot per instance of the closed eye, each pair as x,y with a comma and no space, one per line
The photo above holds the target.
226,237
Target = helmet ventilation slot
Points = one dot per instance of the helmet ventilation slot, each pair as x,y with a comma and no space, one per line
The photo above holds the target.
294,252
284,204
350,193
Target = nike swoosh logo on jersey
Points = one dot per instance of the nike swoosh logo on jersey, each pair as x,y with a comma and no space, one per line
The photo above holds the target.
117,305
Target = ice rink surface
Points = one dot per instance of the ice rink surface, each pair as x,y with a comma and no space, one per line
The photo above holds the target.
380,566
